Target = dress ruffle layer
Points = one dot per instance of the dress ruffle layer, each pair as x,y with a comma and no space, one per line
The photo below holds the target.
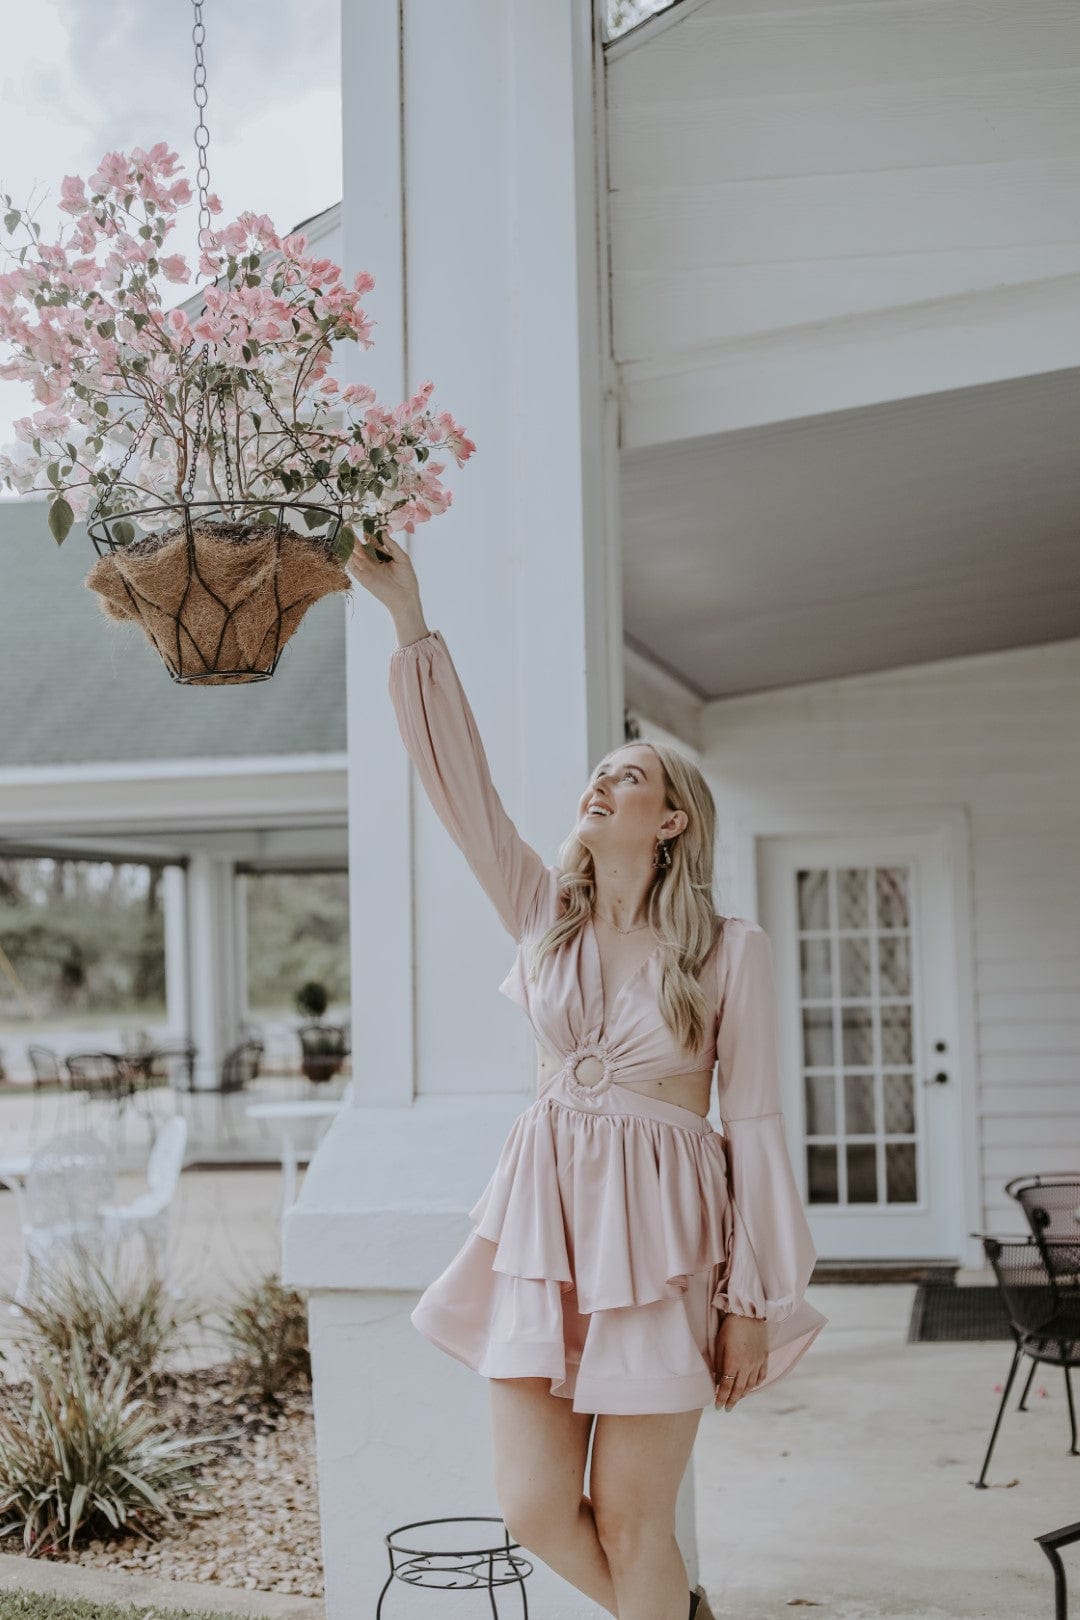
598,1251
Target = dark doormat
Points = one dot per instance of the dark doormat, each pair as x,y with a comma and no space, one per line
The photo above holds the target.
942,1311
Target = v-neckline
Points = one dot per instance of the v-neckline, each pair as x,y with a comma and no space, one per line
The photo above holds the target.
601,997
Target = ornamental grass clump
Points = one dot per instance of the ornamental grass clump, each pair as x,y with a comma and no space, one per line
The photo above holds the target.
87,1459
265,1326
135,1325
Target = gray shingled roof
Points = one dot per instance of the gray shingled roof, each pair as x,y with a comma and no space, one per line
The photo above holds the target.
78,688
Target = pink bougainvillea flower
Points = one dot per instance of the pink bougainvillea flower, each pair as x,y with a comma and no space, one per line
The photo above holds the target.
175,268
83,321
73,195
357,394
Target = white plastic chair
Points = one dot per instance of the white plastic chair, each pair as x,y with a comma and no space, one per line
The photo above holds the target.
69,1182
148,1216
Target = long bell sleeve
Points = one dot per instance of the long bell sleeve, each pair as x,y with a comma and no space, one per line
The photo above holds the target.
439,730
772,1252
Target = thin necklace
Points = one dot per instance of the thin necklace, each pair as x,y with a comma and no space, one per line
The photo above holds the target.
618,930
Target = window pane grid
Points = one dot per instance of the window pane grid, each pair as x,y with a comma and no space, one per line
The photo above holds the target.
856,1014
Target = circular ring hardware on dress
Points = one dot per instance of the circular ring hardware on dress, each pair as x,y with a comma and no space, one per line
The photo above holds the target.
585,1056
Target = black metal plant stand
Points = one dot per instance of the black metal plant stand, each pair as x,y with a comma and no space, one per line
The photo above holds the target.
456,1569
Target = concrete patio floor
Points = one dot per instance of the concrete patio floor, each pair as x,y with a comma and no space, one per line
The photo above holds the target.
845,1490
847,1486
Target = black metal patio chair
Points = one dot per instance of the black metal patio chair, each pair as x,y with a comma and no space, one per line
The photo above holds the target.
1043,1311
239,1067
99,1074
1049,1203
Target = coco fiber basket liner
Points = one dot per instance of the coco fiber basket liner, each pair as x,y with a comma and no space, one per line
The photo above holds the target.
219,602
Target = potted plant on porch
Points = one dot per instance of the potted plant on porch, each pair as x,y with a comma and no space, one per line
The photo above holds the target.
225,476
322,1046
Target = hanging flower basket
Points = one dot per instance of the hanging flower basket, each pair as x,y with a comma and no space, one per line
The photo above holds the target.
225,476
217,597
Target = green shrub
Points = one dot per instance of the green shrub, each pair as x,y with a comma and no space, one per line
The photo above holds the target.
88,1457
312,999
265,1326
136,1325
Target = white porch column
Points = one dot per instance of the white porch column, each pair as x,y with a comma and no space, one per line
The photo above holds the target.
212,961
177,976
470,194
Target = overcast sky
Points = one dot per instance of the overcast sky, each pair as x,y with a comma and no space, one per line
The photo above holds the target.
80,78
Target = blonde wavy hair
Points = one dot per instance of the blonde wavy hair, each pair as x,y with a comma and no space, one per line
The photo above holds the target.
680,903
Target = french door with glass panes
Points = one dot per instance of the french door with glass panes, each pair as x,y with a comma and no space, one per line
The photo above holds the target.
867,989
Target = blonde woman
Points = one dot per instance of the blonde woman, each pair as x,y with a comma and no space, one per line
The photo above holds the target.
627,1264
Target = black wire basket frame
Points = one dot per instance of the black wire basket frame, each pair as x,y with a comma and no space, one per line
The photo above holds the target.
106,542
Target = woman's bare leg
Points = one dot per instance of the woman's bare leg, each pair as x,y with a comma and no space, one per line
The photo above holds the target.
540,1447
637,1465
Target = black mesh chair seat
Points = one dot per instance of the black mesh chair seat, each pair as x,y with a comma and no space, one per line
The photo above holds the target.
102,1074
1037,1281
241,1065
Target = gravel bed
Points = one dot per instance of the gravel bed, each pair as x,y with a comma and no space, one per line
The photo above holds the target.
264,1533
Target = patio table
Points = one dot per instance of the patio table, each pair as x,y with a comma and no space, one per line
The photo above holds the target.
287,1115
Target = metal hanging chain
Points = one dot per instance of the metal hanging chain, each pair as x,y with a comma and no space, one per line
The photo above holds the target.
108,488
202,141
264,390
189,482
225,447
202,134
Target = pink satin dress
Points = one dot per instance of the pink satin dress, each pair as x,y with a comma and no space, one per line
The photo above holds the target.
616,1227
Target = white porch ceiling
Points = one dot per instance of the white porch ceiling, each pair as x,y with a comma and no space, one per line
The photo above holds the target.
861,540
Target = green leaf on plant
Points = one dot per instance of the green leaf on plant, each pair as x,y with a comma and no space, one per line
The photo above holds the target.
314,520
347,538
123,531
11,220
61,517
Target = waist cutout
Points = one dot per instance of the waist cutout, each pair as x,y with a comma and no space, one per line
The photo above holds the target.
614,1098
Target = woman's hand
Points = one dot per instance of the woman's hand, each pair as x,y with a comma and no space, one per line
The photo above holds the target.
739,1358
392,582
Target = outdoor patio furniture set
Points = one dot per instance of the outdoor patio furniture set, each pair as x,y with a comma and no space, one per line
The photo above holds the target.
115,1078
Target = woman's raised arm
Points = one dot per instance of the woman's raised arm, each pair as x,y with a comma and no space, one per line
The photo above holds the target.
439,730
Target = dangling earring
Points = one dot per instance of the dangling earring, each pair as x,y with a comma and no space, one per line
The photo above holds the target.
662,854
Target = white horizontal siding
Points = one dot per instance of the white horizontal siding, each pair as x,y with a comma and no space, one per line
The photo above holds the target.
999,736
782,164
